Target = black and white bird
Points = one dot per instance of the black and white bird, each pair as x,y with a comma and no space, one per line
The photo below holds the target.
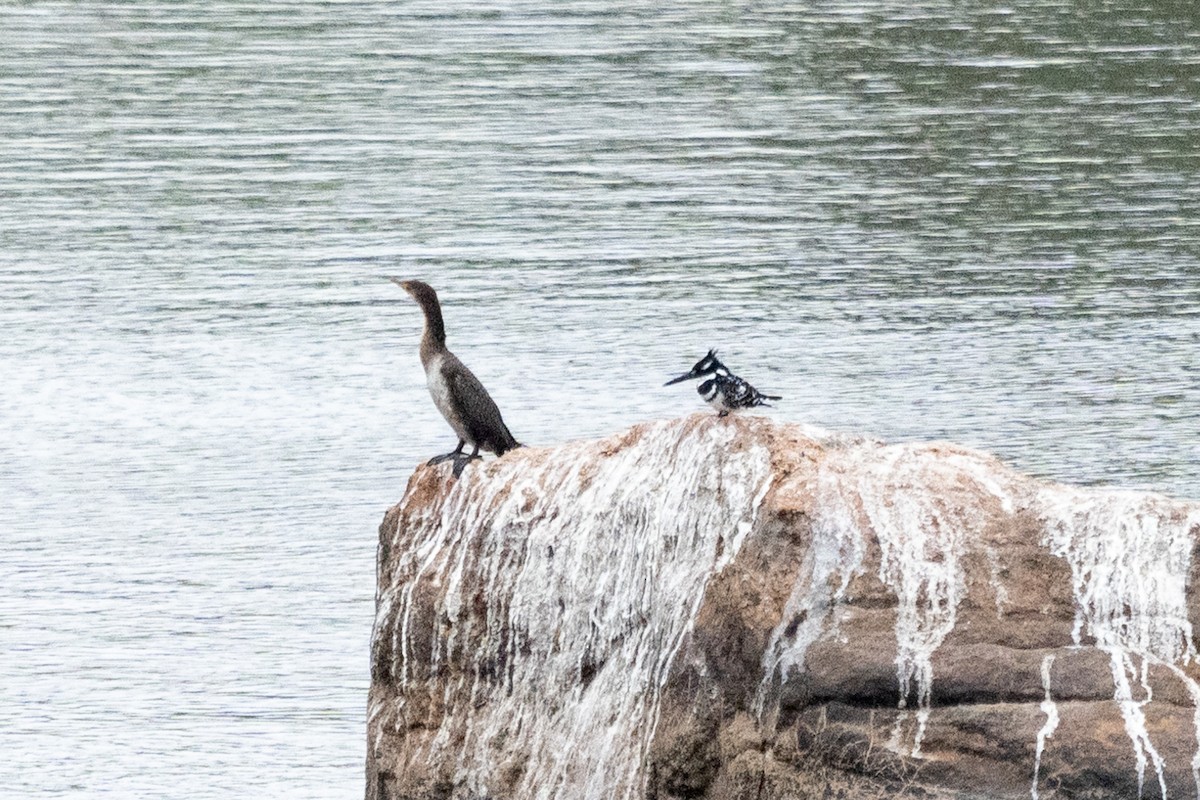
724,391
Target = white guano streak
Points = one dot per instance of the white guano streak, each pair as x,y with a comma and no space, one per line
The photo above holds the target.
923,505
1050,709
593,568
1129,553
836,553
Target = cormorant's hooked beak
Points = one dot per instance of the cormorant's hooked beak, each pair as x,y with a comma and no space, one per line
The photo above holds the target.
398,282
686,376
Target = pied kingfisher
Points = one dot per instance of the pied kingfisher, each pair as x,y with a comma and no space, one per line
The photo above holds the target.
724,391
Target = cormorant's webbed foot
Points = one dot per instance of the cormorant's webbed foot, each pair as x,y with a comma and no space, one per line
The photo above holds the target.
455,454
461,461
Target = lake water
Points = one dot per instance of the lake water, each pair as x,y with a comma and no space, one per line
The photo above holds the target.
918,220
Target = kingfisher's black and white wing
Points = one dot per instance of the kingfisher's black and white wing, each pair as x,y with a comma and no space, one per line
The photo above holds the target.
735,393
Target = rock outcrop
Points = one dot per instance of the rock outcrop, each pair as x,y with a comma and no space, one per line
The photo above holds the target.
735,608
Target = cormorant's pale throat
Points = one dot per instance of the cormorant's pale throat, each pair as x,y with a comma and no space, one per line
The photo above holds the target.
456,391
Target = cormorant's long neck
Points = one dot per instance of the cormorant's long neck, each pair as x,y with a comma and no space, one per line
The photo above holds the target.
434,338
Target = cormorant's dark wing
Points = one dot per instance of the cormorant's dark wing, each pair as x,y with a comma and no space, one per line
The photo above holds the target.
479,412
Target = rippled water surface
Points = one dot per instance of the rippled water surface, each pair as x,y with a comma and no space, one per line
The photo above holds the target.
919,220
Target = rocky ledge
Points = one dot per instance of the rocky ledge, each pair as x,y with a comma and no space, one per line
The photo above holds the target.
735,608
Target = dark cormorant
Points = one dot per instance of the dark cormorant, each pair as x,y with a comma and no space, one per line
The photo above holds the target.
456,391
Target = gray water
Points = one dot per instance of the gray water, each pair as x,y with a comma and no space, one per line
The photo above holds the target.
968,221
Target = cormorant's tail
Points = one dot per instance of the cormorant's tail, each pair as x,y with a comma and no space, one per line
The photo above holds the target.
772,397
510,442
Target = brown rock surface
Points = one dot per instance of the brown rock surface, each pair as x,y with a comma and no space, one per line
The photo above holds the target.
733,608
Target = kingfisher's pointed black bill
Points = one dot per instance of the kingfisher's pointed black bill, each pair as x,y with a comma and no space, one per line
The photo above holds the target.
686,376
